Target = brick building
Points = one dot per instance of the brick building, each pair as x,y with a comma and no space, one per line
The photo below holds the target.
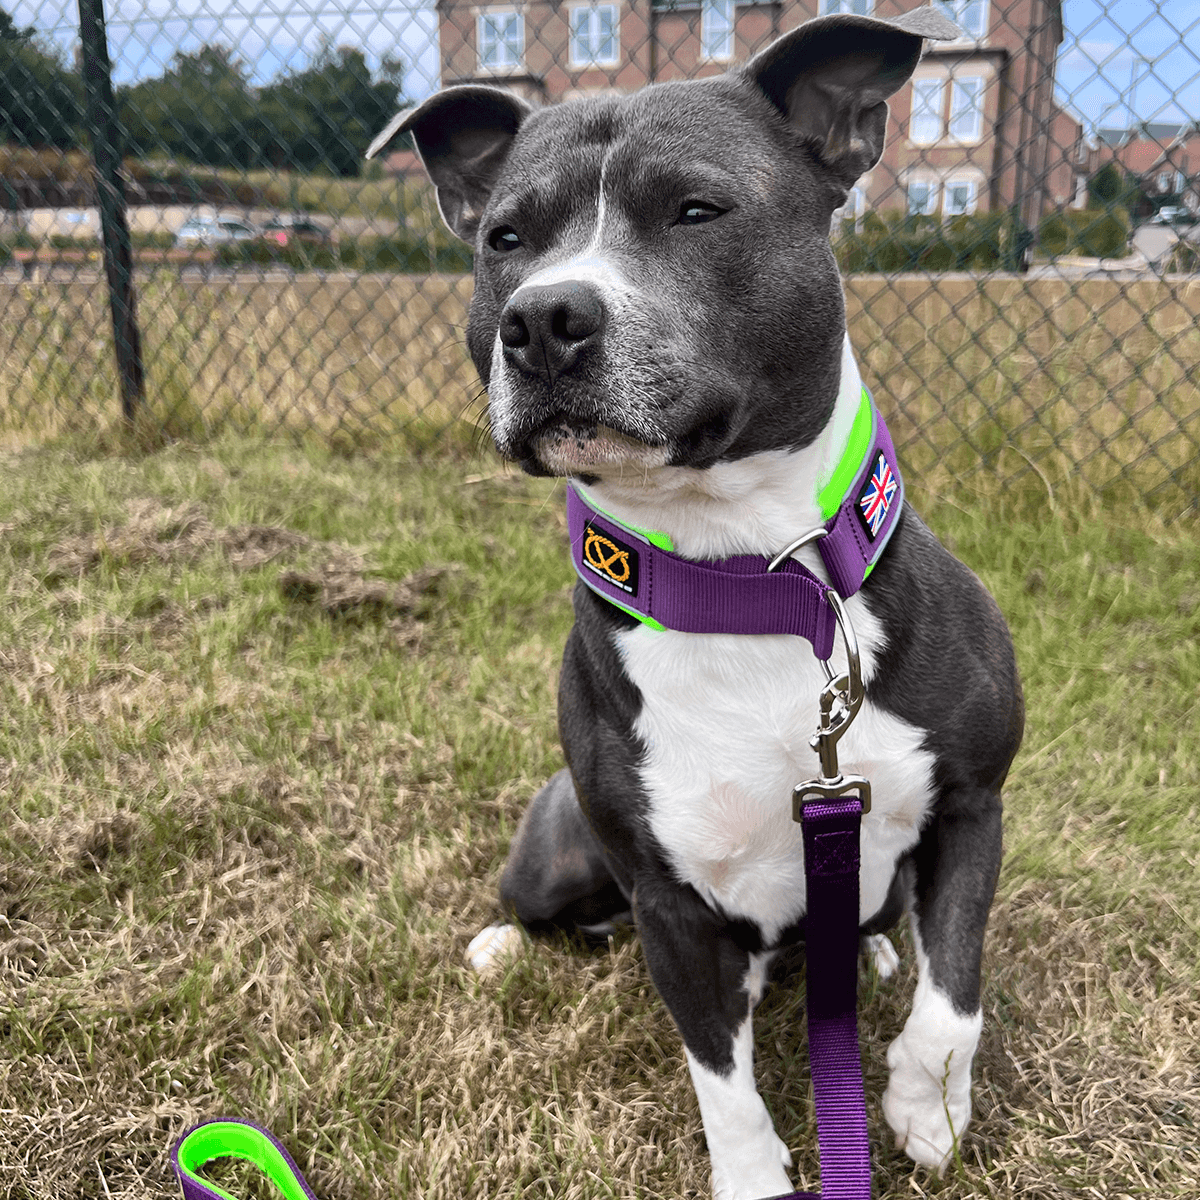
976,129
1163,157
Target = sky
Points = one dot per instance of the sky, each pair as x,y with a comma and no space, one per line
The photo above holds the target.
1121,61
1127,61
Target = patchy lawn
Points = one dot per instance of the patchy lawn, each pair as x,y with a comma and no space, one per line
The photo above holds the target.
268,717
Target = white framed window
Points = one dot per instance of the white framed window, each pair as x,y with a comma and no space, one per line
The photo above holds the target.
594,36
925,125
959,198
966,108
500,37
971,16
716,28
922,197
863,8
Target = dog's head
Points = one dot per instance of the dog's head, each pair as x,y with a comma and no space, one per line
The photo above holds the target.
654,283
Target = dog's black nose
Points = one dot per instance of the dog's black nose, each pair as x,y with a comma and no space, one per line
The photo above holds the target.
545,327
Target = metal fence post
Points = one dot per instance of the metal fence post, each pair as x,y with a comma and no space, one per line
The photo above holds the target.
114,228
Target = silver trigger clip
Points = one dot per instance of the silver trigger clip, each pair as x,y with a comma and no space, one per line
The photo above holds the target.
840,700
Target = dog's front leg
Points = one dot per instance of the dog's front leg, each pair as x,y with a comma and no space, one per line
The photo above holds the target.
711,985
928,1097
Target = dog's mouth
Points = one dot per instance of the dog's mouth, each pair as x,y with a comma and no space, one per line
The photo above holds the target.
574,448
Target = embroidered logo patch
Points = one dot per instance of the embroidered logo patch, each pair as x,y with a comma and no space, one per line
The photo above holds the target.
615,561
876,498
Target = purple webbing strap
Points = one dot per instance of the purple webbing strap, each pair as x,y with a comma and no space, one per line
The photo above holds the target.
730,595
831,946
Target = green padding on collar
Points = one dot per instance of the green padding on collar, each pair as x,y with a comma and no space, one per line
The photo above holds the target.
653,536
862,434
232,1139
645,620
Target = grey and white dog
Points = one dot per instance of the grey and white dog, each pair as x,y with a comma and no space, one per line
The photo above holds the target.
658,314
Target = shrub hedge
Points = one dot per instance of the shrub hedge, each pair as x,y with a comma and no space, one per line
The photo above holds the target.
1092,232
407,252
891,242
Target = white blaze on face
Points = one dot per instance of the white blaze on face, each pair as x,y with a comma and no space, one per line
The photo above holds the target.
605,449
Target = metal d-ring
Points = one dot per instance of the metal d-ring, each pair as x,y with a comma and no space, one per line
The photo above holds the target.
839,702
812,535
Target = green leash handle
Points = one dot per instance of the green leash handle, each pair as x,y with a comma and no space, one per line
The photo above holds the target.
231,1137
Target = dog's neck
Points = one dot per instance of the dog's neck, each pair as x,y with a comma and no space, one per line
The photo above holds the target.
756,505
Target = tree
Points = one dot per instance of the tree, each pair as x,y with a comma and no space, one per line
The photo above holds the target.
1111,187
41,101
202,108
323,118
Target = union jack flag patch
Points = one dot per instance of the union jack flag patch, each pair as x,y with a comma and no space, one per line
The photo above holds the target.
876,498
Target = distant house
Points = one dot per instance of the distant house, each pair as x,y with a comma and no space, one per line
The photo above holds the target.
1163,157
976,129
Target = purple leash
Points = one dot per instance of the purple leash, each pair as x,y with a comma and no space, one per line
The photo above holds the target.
231,1137
831,946
831,855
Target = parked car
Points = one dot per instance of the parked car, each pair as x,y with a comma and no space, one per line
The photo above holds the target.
1174,214
294,231
214,231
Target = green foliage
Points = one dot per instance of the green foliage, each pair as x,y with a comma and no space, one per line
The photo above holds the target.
1106,187
323,118
1094,233
202,108
1111,187
892,242
205,110
41,102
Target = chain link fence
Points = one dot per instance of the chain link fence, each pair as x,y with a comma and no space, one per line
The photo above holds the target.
1022,266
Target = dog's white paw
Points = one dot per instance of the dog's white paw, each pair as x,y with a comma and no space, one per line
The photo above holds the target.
494,947
928,1098
754,1171
883,954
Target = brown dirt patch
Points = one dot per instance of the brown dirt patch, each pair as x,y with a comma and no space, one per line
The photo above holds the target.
341,593
154,532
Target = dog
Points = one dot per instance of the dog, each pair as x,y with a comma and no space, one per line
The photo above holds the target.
658,317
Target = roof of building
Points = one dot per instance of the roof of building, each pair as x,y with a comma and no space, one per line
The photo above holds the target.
1163,132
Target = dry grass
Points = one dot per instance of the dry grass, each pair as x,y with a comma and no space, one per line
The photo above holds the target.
1094,382
353,360
255,823
1062,389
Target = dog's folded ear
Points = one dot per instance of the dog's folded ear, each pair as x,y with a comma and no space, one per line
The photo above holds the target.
462,135
831,76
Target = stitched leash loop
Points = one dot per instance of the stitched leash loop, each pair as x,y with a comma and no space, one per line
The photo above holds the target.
232,1137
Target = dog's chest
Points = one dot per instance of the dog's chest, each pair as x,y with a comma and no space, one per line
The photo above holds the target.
726,722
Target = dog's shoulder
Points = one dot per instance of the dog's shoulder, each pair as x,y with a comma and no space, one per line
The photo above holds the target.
948,664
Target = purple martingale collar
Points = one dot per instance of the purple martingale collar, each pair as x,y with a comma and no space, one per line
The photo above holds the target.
636,569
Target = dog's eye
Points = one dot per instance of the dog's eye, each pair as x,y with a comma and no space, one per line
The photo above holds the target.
504,238
694,212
